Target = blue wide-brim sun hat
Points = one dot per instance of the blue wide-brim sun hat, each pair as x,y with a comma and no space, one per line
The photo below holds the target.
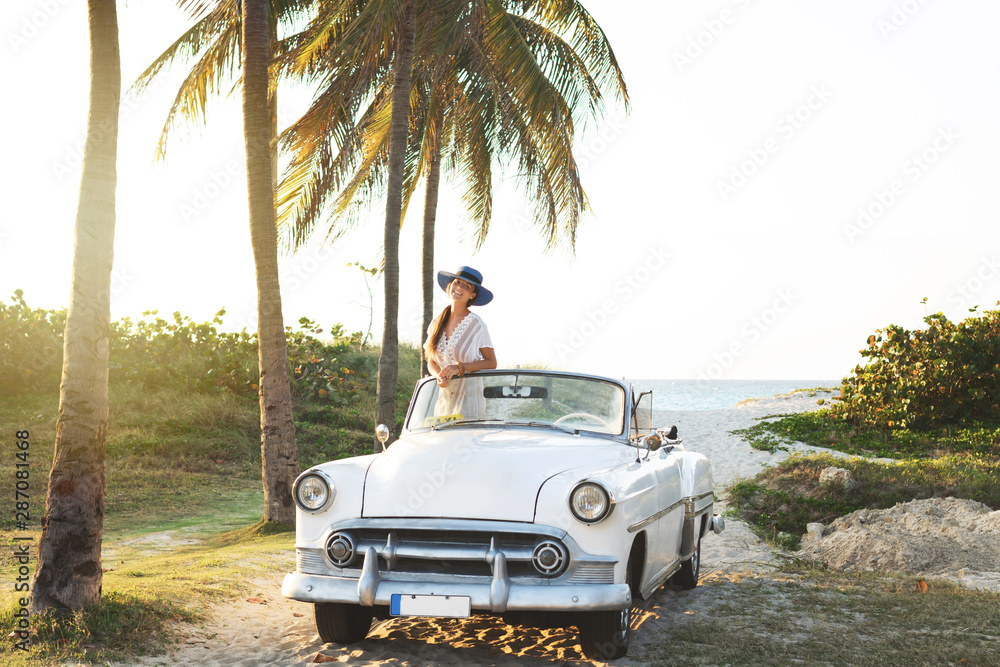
470,275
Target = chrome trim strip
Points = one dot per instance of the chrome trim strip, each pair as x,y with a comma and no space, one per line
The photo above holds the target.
654,585
576,598
689,511
639,525
472,525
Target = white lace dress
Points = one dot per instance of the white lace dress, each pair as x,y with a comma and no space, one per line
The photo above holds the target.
463,395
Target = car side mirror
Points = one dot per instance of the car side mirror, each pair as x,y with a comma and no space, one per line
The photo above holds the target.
652,441
382,433
669,436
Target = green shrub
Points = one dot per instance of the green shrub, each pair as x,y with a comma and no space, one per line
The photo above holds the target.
153,353
324,370
821,428
781,500
946,374
31,346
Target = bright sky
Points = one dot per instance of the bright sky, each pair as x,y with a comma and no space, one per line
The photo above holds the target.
792,176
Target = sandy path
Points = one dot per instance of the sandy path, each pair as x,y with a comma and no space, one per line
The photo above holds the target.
275,631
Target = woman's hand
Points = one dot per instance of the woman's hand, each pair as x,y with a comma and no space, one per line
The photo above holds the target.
449,371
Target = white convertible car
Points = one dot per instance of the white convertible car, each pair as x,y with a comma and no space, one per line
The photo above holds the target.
554,502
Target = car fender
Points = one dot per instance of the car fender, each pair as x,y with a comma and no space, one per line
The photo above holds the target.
632,486
348,478
696,481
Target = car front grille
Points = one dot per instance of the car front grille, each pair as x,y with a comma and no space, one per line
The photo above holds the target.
469,553
311,561
529,557
597,573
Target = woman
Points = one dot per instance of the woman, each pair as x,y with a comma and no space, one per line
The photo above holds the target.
458,342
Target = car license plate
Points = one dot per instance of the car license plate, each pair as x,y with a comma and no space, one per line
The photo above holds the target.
450,606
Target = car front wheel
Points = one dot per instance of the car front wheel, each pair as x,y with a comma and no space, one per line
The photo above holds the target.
339,623
605,635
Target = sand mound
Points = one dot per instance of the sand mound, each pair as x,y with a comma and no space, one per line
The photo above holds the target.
949,537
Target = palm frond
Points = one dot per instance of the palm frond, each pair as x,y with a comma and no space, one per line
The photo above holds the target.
190,44
219,62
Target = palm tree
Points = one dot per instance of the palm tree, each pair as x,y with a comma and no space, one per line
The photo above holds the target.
489,86
68,573
214,42
351,49
388,359
279,456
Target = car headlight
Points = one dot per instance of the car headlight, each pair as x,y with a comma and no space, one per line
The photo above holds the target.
313,491
590,502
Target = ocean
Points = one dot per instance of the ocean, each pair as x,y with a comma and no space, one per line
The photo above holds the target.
719,394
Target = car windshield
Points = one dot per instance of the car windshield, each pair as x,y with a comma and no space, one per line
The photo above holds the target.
569,403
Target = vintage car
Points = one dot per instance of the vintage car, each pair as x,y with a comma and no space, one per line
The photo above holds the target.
552,502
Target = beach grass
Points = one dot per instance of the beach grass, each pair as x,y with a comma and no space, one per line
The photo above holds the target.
781,500
888,467
805,615
150,587
821,429
183,495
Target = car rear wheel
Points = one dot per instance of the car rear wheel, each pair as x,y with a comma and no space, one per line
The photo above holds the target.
687,576
605,635
339,623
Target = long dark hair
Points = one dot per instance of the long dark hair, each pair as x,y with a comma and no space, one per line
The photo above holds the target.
438,326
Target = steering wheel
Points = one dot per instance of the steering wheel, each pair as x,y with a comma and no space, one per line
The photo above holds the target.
585,415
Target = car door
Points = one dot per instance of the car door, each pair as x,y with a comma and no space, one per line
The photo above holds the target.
665,533
672,507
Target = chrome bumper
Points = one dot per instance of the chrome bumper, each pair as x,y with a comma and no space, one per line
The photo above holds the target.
499,595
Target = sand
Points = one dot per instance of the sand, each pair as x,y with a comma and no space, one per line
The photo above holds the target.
948,538
265,629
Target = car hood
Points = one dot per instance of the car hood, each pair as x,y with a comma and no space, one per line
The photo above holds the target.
476,473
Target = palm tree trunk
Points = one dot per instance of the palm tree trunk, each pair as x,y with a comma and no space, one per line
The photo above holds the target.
279,457
272,108
68,574
388,361
430,217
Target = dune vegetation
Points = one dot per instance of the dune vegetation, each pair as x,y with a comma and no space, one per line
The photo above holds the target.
183,455
921,417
